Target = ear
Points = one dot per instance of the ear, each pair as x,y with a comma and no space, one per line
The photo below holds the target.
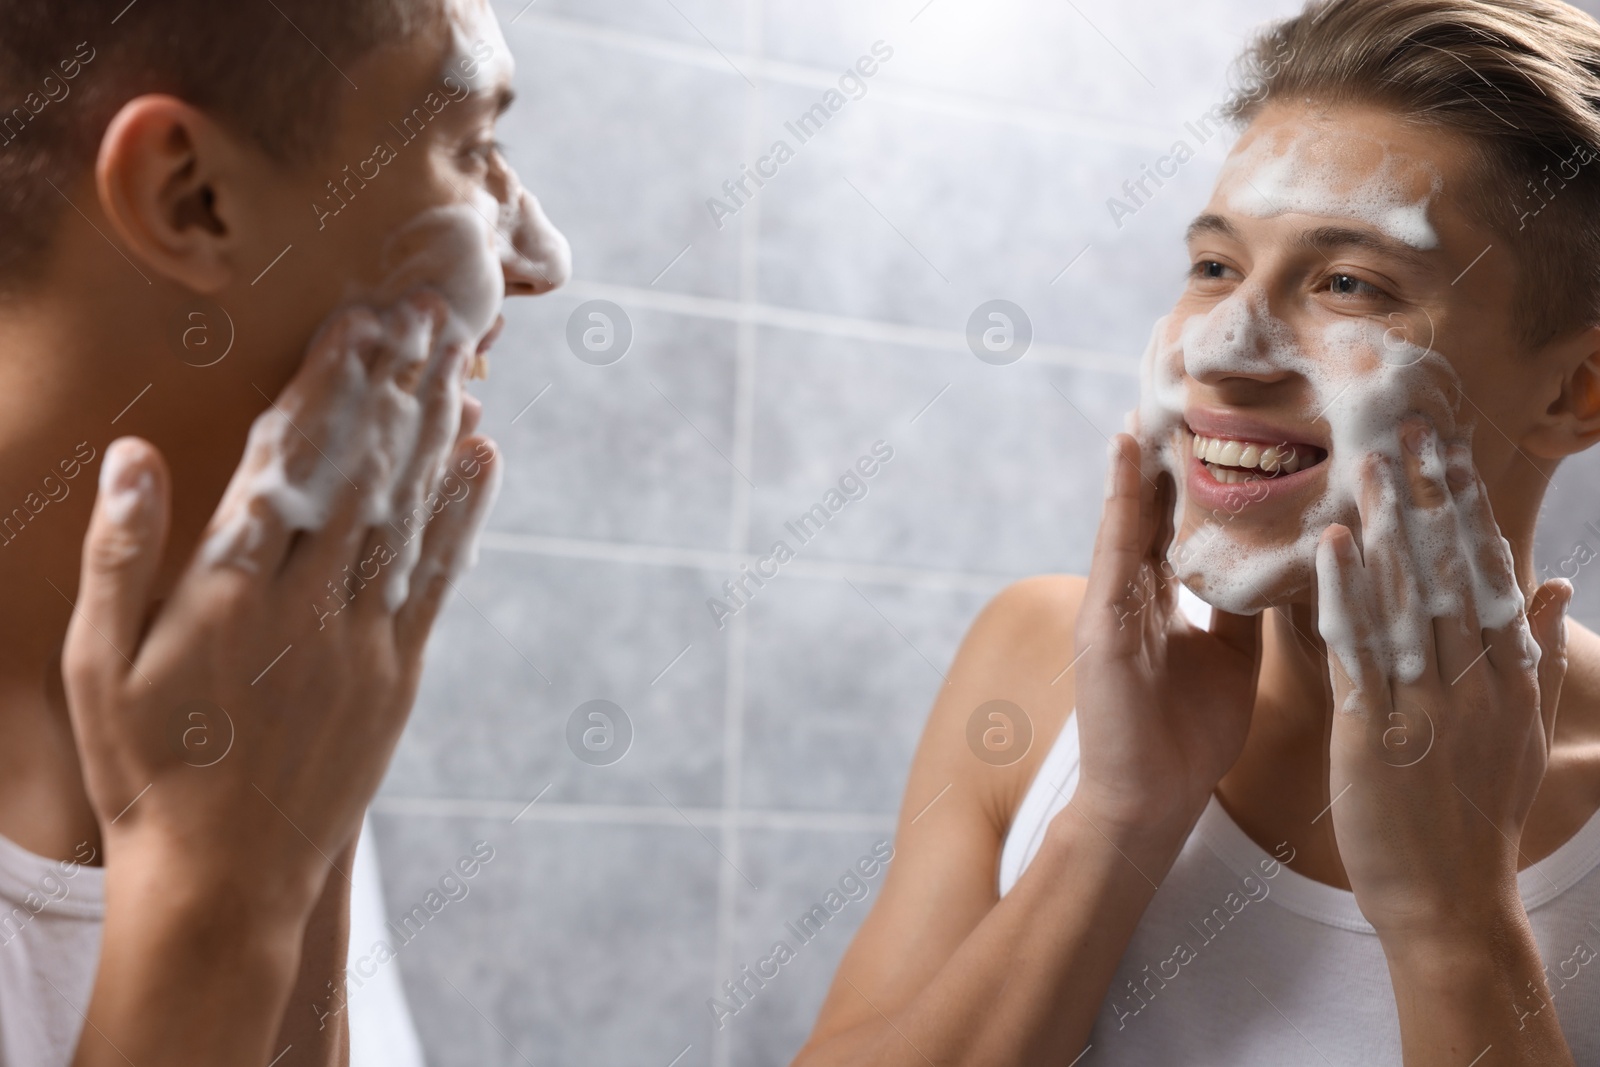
161,177
1571,423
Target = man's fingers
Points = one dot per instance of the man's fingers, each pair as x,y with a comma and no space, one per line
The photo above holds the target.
1344,618
450,542
380,422
1395,596
1547,619
1120,547
290,473
121,559
424,478
1442,576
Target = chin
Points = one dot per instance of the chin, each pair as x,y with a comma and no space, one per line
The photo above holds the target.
1241,576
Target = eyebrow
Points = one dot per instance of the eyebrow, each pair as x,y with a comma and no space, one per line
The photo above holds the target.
1320,239
1329,237
1210,223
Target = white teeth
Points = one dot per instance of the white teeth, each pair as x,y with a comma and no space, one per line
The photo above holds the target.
1217,452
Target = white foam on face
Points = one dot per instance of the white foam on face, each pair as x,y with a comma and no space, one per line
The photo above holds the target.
454,251
1365,381
386,399
479,57
525,240
1315,175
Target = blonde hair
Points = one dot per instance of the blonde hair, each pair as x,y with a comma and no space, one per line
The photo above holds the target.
1518,79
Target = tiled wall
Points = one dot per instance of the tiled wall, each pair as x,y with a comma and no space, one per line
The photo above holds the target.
767,357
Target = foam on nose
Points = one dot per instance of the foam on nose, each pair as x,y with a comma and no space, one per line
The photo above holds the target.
1361,396
533,251
1239,336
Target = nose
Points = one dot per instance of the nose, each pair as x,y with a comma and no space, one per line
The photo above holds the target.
1238,340
534,256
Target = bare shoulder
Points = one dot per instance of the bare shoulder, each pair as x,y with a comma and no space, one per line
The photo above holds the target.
1017,652
960,796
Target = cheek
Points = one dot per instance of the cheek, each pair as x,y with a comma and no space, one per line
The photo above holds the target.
450,249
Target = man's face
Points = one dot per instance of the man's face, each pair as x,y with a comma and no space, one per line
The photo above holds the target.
1337,287
412,192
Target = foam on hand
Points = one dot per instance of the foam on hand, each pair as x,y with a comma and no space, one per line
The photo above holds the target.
378,403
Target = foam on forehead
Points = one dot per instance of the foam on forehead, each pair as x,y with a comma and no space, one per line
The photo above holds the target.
475,35
1311,173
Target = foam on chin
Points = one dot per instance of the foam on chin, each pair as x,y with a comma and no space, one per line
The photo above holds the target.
1365,382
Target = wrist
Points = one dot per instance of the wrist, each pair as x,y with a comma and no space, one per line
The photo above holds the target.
1148,845
1464,944
1160,825
167,878
191,970
1412,919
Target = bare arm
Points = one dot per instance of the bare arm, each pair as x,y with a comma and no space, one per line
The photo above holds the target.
1431,846
316,1030
221,889
942,970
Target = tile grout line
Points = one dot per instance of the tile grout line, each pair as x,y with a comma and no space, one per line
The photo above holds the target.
631,814
953,102
739,539
801,320
717,561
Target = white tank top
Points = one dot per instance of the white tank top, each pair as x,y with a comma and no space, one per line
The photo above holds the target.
51,914
1240,962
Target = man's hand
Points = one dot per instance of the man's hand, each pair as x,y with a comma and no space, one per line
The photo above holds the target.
1441,734
1163,707
232,741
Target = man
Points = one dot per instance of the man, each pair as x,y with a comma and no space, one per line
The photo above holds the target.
278,230
1353,819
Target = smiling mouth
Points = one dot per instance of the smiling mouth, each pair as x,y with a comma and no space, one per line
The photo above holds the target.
1231,460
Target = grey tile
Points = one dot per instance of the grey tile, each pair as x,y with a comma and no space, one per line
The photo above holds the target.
632,452
1002,474
488,726
1095,58
896,213
711,23
623,149
1568,541
575,945
839,684
796,870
